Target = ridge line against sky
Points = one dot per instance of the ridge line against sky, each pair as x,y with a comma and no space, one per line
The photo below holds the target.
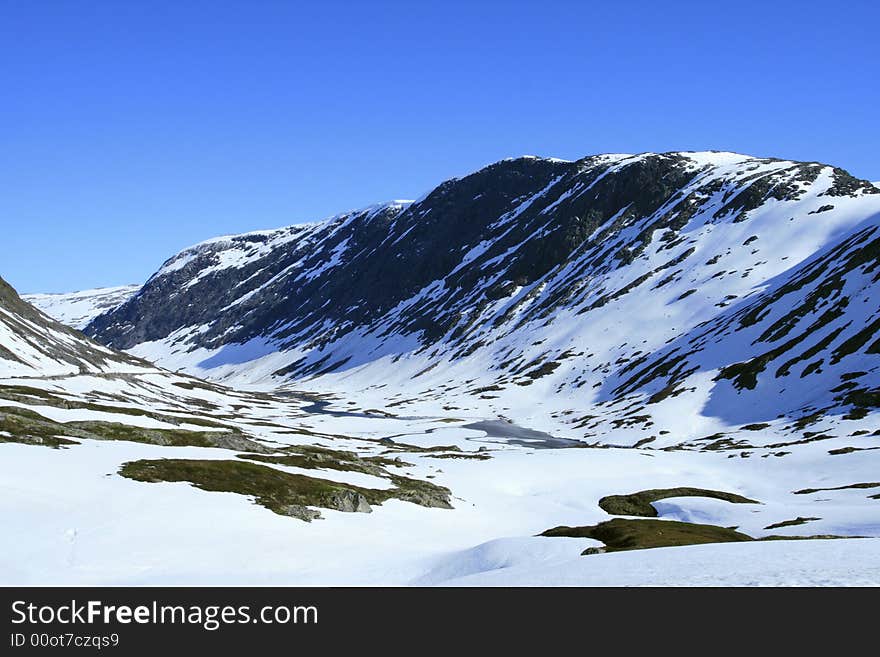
132,130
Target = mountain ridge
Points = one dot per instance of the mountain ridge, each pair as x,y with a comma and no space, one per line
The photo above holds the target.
515,278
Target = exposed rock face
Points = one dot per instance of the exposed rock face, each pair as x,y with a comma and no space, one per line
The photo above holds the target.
301,512
606,279
351,502
436,497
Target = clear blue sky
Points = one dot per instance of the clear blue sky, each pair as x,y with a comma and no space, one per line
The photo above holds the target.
129,130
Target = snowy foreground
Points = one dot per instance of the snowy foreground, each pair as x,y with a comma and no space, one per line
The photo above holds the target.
70,518
815,563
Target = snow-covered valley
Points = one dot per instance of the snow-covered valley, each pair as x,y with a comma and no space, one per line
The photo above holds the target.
70,516
414,392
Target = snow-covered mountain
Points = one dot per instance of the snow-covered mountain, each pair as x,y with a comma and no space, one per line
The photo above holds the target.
77,309
159,478
496,384
31,343
612,294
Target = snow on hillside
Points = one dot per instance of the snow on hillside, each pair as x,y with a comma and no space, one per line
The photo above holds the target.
570,296
426,388
77,309
33,344
239,251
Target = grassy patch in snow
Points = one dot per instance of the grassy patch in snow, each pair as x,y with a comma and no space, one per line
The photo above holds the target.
315,457
808,491
473,456
27,426
850,450
40,397
283,492
758,426
790,523
406,447
640,503
620,534
19,425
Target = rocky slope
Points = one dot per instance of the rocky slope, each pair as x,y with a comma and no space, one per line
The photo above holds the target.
622,287
31,343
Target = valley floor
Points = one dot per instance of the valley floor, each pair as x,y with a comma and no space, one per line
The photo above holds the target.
70,518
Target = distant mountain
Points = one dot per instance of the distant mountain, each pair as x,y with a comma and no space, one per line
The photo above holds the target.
77,309
614,291
33,344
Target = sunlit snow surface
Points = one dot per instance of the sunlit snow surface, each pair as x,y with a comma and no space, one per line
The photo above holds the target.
77,309
69,517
